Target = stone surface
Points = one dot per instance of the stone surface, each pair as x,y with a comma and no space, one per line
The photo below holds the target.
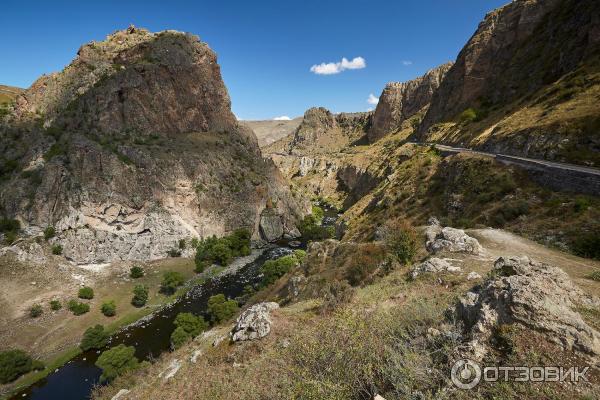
473,276
401,100
536,295
171,370
271,225
433,265
253,323
120,394
440,238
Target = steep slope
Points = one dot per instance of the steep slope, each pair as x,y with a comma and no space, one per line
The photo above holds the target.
8,93
270,131
135,147
526,83
401,100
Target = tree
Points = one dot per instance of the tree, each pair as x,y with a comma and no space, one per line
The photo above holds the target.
78,308
136,272
14,363
275,269
140,296
171,281
35,311
116,361
190,323
220,309
109,308
179,337
221,254
86,292
94,338
49,233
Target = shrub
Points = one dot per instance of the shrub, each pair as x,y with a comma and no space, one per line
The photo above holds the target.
57,249
510,211
581,204
300,255
336,293
587,245
35,311
14,363
136,272
401,240
221,254
171,281
190,323
94,338
86,292
220,309
174,253
311,229
469,115
222,250
9,225
595,276
49,232
117,361
140,296
182,244
55,305
78,308
318,213
10,237
275,269
179,337
109,308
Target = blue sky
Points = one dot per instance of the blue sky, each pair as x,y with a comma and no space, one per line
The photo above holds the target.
266,48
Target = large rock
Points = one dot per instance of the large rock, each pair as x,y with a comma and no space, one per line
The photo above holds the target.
440,238
535,295
433,265
401,100
253,323
271,225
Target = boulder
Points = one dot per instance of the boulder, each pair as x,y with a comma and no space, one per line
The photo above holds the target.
271,226
253,323
440,238
536,295
433,265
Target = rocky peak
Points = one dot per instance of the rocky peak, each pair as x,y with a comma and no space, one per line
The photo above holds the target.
316,122
401,100
151,83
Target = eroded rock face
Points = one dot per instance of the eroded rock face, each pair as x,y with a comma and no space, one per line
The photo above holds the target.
271,225
253,323
536,295
132,147
433,265
401,100
440,238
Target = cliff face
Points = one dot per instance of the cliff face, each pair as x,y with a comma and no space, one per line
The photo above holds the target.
401,100
133,147
525,61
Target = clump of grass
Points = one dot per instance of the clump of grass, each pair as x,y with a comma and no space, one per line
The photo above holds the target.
595,276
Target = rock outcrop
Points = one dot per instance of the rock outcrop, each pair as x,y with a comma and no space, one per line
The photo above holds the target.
433,265
253,323
440,238
401,100
537,296
132,147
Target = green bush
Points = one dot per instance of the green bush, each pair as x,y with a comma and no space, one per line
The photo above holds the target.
55,305
221,254
581,204
57,249
117,361
109,308
14,363
401,240
94,338
35,311
174,253
86,292
140,296
190,323
78,308
318,213
136,272
49,232
275,269
9,225
595,276
587,246
171,281
510,211
220,309
10,237
179,337
311,229
182,244
221,251
469,115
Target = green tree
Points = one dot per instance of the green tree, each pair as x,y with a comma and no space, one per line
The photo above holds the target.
136,272
94,338
221,254
220,309
14,363
191,323
401,240
78,308
86,292
171,281
275,269
109,308
140,296
116,361
179,337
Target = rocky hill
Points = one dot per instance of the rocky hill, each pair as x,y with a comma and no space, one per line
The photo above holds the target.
401,100
270,131
8,93
132,147
526,83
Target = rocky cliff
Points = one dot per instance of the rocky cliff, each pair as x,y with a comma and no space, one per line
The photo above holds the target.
401,100
525,83
132,147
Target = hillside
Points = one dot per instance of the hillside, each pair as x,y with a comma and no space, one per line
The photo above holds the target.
8,93
269,131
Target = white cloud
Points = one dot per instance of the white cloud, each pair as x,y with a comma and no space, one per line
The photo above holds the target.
369,109
406,62
282,118
372,99
337,67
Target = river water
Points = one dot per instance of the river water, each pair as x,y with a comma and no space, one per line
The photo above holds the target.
151,336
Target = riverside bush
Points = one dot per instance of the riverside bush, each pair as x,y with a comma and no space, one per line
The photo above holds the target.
179,337
140,296
116,361
223,250
14,363
94,338
220,309
171,281
191,323
275,269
